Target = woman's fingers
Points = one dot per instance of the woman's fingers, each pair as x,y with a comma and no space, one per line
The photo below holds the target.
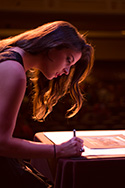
79,142
73,147
79,145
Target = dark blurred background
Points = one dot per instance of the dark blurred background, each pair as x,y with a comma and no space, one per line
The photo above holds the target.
104,21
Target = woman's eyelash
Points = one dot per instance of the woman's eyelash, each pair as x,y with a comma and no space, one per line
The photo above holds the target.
68,60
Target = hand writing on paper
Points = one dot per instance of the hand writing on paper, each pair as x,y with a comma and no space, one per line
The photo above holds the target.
71,148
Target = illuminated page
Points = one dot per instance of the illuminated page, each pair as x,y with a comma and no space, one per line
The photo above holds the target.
104,142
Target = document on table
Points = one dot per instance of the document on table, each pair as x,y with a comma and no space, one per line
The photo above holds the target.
104,146
104,142
96,143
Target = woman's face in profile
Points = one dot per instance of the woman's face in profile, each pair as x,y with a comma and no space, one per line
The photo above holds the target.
59,62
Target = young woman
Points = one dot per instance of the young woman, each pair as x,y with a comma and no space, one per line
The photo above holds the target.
59,59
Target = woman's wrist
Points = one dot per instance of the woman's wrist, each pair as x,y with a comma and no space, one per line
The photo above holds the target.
58,150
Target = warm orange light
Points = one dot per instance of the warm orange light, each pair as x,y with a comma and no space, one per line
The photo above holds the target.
123,32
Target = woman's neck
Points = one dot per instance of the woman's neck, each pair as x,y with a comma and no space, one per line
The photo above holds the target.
29,60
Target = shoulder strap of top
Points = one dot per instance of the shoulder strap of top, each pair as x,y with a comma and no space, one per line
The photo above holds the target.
11,55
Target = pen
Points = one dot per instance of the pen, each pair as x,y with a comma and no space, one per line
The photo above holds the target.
74,133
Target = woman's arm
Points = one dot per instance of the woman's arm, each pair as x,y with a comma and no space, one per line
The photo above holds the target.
12,90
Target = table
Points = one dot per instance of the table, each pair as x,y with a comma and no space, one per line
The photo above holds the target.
101,173
89,172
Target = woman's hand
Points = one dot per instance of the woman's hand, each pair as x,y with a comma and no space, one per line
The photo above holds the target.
71,148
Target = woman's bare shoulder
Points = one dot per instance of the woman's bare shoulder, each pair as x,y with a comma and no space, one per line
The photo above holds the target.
12,72
12,90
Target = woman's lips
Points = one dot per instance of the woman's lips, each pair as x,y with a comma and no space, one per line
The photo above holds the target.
57,74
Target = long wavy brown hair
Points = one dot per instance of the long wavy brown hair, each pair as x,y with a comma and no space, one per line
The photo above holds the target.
59,35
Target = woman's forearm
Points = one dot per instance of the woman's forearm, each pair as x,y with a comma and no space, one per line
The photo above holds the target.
20,148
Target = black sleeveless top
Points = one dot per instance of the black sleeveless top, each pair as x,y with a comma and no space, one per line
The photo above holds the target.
11,55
